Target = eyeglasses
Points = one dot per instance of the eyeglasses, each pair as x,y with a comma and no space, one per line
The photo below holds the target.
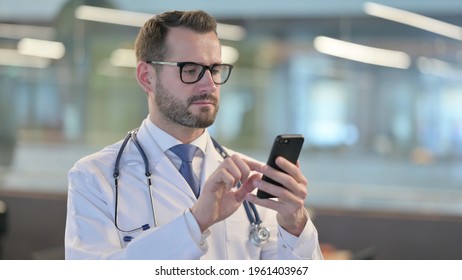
191,72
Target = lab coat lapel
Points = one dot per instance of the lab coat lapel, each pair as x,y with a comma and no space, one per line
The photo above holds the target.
212,161
165,168
160,164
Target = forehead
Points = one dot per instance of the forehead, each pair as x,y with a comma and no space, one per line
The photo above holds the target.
186,44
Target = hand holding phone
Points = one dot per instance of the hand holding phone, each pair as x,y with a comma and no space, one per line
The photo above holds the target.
289,147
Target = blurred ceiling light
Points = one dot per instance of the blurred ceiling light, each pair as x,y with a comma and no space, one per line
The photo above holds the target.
413,19
123,58
41,48
19,31
438,67
361,53
136,19
231,32
229,54
11,57
112,16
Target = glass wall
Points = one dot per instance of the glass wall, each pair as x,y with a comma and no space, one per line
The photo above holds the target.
377,137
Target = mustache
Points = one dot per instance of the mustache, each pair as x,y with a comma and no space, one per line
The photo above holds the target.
203,97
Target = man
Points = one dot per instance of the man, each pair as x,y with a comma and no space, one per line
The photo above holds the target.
117,215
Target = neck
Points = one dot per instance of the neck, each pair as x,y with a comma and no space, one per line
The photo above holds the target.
184,134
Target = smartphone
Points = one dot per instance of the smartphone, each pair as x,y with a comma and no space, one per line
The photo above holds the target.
288,146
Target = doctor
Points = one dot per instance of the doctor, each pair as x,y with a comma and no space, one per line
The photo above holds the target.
154,213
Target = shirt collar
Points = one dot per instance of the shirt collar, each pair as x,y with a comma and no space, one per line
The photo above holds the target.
166,141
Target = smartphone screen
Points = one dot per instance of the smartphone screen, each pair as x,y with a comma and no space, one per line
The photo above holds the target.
288,146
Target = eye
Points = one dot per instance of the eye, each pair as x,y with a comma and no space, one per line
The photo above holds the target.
216,70
191,69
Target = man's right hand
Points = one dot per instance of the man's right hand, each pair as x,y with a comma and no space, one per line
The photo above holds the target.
219,199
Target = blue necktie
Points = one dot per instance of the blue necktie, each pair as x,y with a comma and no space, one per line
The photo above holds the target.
186,153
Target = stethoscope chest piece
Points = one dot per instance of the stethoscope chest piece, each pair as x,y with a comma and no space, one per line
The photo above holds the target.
259,235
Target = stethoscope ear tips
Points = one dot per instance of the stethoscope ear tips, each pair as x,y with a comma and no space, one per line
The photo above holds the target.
128,238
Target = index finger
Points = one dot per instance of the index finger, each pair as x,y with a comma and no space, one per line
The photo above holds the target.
246,166
254,165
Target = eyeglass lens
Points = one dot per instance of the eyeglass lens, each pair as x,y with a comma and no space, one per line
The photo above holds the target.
193,72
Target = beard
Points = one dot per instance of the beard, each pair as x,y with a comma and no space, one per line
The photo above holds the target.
176,110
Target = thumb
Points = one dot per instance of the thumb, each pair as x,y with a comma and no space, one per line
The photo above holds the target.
246,188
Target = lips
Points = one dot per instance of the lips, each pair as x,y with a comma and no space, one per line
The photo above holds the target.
203,100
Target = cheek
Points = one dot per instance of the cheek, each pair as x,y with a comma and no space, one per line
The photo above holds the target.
170,83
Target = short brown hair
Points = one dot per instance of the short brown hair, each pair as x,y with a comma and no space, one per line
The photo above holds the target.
150,42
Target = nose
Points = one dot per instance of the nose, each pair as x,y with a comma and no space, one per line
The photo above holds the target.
207,79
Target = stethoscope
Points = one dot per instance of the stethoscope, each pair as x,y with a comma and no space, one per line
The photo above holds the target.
258,234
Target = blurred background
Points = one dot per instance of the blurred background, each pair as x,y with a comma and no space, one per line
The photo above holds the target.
375,88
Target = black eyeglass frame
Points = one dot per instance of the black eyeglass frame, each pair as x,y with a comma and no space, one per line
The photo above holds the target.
201,74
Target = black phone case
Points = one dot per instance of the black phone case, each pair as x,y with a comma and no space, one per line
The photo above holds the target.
288,146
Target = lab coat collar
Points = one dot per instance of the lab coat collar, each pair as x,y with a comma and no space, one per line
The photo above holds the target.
165,141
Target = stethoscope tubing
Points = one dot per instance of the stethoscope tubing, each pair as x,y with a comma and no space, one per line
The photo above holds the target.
250,208
147,173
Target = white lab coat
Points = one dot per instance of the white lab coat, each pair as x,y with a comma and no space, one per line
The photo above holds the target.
90,229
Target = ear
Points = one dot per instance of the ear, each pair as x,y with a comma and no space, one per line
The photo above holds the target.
144,76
